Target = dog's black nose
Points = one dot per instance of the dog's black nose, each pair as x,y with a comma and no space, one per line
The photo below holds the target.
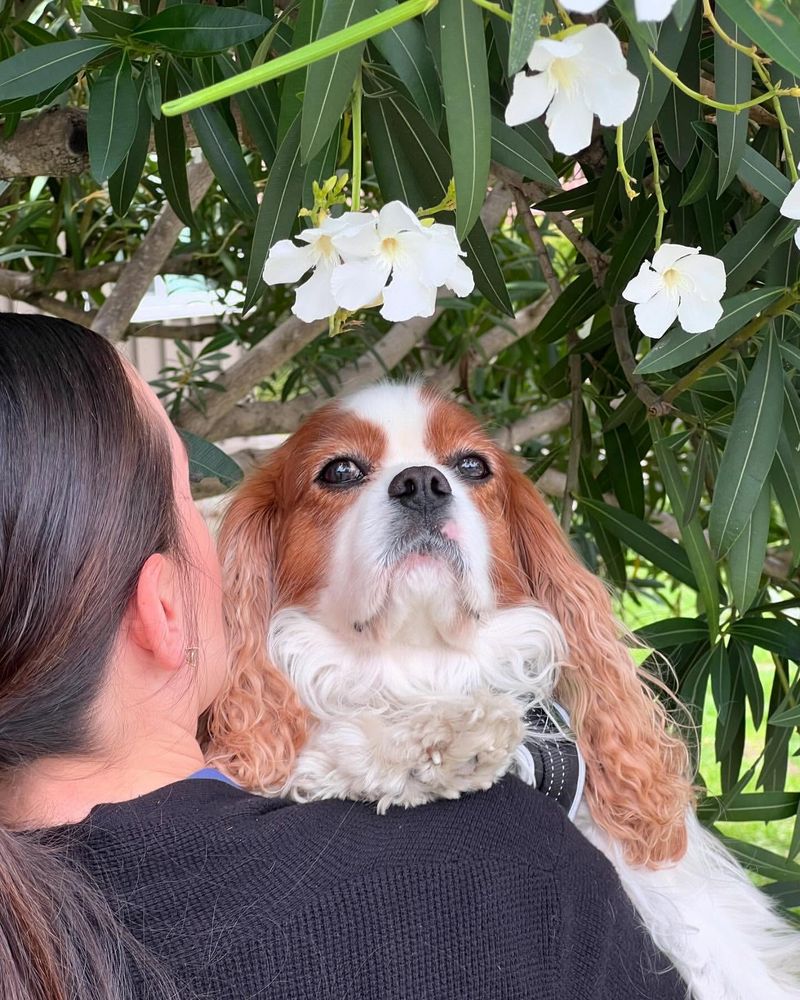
421,489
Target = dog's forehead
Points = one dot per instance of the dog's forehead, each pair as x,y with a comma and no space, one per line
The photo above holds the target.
403,414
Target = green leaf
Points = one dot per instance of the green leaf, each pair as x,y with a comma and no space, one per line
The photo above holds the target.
789,717
206,460
702,178
694,541
631,248
644,539
773,28
122,184
783,269
35,70
653,86
764,862
512,151
305,31
405,48
746,555
672,632
608,545
679,110
785,479
413,165
579,300
330,81
748,251
113,117
259,107
465,81
171,151
748,807
579,201
790,106
278,211
526,17
759,173
624,470
197,29
223,152
111,23
644,34
733,74
750,448
742,656
775,634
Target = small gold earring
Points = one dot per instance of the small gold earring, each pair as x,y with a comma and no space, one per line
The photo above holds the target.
191,655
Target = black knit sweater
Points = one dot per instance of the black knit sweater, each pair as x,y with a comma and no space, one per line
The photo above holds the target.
492,897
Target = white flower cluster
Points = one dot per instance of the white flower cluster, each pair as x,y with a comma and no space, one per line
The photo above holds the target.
363,259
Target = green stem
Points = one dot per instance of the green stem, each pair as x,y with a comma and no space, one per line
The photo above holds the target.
662,208
627,180
777,107
306,54
709,102
784,304
355,107
494,8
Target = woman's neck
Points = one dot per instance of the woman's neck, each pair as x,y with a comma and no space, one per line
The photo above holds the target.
60,790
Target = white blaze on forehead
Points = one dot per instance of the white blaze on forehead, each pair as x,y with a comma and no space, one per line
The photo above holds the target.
401,412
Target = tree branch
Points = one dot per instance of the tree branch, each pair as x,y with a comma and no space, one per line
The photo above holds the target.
656,406
534,425
24,284
115,314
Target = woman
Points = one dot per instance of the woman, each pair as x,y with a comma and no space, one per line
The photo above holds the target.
124,872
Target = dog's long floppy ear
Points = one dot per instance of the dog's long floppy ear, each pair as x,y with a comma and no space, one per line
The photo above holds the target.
637,770
258,724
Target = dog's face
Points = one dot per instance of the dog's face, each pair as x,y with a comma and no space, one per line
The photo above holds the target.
388,517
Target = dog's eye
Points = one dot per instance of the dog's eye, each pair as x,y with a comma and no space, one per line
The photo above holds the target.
341,472
473,467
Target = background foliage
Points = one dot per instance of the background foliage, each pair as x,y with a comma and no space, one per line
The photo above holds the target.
674,468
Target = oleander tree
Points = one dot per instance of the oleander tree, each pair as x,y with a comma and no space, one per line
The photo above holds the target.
581,218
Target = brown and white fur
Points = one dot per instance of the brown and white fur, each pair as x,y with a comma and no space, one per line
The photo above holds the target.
389,633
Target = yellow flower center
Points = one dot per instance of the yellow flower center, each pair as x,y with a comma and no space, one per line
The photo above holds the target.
390,246
671,278
325,246
563,73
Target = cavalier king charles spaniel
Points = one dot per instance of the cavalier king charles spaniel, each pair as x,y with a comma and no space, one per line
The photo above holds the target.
399,598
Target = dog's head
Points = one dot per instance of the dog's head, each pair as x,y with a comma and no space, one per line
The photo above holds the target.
392,516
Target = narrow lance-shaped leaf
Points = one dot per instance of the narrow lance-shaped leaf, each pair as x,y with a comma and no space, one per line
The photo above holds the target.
171,151
278,211
746,556
775,28
113,117
465,79
122,184
750,449
526,17
35,70
733,73
330,81
197,29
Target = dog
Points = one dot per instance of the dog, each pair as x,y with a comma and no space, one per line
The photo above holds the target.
399,597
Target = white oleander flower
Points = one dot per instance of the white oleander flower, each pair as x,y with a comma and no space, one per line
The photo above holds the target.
287,262
791,208
418,259
574,79
681,283
646,10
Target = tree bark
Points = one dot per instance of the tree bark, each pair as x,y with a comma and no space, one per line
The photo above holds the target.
52,144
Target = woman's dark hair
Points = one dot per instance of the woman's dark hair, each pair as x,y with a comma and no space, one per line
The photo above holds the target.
86,496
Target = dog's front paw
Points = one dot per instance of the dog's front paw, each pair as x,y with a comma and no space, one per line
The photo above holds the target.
465,745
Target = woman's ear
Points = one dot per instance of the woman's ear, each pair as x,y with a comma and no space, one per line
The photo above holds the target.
638,784
257,724
155,617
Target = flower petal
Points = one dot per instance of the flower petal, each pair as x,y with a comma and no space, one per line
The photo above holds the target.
287,263
395,217
358,283
657,315
697,315
797,238
583,6
791,203
359,243
406,296
668,253
314,299
611,96
545,50
459,279
569,122
644,285
653,10
707,274
599,43
529,98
